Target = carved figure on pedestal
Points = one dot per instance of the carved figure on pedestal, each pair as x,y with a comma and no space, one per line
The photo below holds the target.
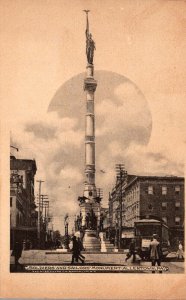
90,44
98,199
87,221
93,220
79,221
82,199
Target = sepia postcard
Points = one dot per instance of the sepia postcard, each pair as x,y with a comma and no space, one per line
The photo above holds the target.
92,135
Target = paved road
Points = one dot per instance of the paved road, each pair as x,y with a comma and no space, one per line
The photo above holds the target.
42,257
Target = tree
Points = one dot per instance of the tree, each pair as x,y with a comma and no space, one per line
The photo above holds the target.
56,235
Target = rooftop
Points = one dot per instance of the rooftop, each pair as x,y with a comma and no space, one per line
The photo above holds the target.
23,164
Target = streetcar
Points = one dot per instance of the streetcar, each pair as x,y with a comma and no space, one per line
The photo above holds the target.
144,229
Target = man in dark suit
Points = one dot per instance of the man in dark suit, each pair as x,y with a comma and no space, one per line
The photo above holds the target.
17,251
155,252
132,251
76,251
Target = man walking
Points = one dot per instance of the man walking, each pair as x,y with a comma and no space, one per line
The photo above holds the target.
76,251
155,252
81,248
17,251
132,251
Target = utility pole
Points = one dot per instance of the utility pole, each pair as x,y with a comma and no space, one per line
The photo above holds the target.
39,215
120,175
46,207
43,198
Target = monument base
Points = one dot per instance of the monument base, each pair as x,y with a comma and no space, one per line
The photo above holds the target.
90,241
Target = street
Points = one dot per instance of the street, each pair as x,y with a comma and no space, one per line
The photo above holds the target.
51,258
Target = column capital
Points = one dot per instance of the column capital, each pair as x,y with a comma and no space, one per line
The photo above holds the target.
90,84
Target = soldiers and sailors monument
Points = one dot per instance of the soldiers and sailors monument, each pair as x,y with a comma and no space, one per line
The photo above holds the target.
88,222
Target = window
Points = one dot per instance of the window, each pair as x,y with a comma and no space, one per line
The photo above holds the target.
164,205
177,220
177,205
10,201
17,219
150,207
177,189
164,219
150,190
164,190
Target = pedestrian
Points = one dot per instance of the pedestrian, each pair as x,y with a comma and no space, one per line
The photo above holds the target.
75,251
180,251
57,243
24,244
81,248
27,244
132,251
17,251
155,252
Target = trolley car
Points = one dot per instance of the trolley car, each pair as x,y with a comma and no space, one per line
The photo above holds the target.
144,229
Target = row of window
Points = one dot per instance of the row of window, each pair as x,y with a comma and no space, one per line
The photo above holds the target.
163,190
177,220
164,205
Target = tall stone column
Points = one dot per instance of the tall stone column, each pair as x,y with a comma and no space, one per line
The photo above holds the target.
89,203
90,85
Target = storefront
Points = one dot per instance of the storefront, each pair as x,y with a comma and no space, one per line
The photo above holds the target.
127,236
23,234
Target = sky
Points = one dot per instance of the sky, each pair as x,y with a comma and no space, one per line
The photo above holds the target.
140,98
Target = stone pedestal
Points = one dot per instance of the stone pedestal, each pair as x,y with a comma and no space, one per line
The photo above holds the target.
90,241
86,207
106,246
61,250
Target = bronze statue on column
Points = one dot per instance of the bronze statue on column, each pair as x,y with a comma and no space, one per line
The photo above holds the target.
90,44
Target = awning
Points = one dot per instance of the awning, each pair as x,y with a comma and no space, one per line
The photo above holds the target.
24,228
127,234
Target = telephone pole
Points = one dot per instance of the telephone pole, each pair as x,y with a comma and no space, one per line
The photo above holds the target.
46,212
39,215
121,175
43,198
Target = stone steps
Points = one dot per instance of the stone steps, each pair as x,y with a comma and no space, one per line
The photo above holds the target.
106,246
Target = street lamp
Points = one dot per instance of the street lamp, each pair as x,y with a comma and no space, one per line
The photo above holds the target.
66,231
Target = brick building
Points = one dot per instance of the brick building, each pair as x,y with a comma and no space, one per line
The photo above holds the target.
23,216
148,197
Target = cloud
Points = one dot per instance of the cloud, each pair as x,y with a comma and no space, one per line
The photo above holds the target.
124,134
140,159
124,118
71,174
49,139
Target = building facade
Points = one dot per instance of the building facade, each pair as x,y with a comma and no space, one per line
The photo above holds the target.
23,216
148,197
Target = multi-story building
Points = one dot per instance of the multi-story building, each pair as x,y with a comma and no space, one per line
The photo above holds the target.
104,218
147,197
23,216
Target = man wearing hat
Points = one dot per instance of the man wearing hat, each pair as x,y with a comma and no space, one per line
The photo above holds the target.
155,252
